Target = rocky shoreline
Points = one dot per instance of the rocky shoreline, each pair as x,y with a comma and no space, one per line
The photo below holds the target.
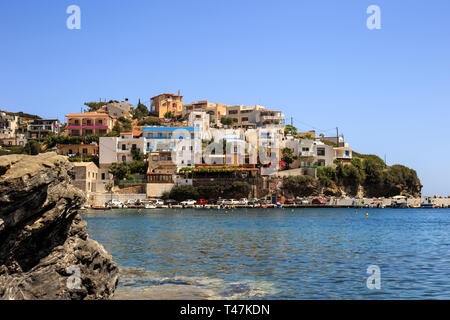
45,252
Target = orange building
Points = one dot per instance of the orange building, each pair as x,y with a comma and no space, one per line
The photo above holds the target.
78,150
163,103
84,124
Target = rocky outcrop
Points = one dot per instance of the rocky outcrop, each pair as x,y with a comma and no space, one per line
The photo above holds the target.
45,252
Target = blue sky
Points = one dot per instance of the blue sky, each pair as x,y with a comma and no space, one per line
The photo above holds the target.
387,90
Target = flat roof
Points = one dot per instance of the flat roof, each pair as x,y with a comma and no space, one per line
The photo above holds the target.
169,128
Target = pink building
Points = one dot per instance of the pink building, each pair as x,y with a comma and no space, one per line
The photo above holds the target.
83,124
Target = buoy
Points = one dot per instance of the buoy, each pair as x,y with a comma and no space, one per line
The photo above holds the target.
292,210
367,214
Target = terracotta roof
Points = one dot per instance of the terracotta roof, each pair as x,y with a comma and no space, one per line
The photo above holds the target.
88,114
167,94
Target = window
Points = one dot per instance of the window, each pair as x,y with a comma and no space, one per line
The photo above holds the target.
320,151
70,151
123,147
163,158
88,122
85,151
305,149
100,121
155,158
244,119
103,176
77,121
347,153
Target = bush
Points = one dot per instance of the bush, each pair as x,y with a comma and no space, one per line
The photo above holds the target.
181,193
32,147
299,185
150,121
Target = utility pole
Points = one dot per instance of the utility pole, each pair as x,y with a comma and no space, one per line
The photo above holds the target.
337,136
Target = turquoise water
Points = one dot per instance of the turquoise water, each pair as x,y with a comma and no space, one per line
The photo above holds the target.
314,253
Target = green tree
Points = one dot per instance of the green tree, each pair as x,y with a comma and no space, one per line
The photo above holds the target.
137,154
290,130
94,106
287,155
32,147
169,115
299,185
120,171
140,112
138,167
125,124
181,193
226,121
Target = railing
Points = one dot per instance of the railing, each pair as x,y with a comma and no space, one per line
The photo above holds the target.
137,181
80,127
306,153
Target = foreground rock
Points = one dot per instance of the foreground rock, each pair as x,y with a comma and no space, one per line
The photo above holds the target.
45,252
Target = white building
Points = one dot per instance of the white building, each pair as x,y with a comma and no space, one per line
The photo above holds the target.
184,143
118,149
201,121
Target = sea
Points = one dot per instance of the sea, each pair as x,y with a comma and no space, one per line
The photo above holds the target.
281,253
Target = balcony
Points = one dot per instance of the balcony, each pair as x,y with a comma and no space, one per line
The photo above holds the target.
306,154
85,126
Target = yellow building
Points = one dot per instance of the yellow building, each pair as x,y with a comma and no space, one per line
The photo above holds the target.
215,110
78,150
167,102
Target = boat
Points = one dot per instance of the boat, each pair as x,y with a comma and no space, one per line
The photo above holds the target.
100,208
150,206
427,205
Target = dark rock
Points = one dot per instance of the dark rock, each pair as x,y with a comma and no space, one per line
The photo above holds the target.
45,252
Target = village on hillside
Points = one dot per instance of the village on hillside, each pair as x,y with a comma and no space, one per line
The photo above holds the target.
202,151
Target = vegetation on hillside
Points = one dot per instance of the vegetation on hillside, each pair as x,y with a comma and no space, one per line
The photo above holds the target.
367,171
235,190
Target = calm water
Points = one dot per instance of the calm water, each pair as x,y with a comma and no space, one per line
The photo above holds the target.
277,253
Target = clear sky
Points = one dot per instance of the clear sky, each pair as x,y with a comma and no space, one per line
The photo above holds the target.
387,90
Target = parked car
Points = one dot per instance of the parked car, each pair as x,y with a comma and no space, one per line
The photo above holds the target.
319,201
289,201
253,201
243,201
158,202
202,202
131,202
230,202
189,202
171,202
302,201
114,203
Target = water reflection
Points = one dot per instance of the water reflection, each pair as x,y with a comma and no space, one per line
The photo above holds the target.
280,254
